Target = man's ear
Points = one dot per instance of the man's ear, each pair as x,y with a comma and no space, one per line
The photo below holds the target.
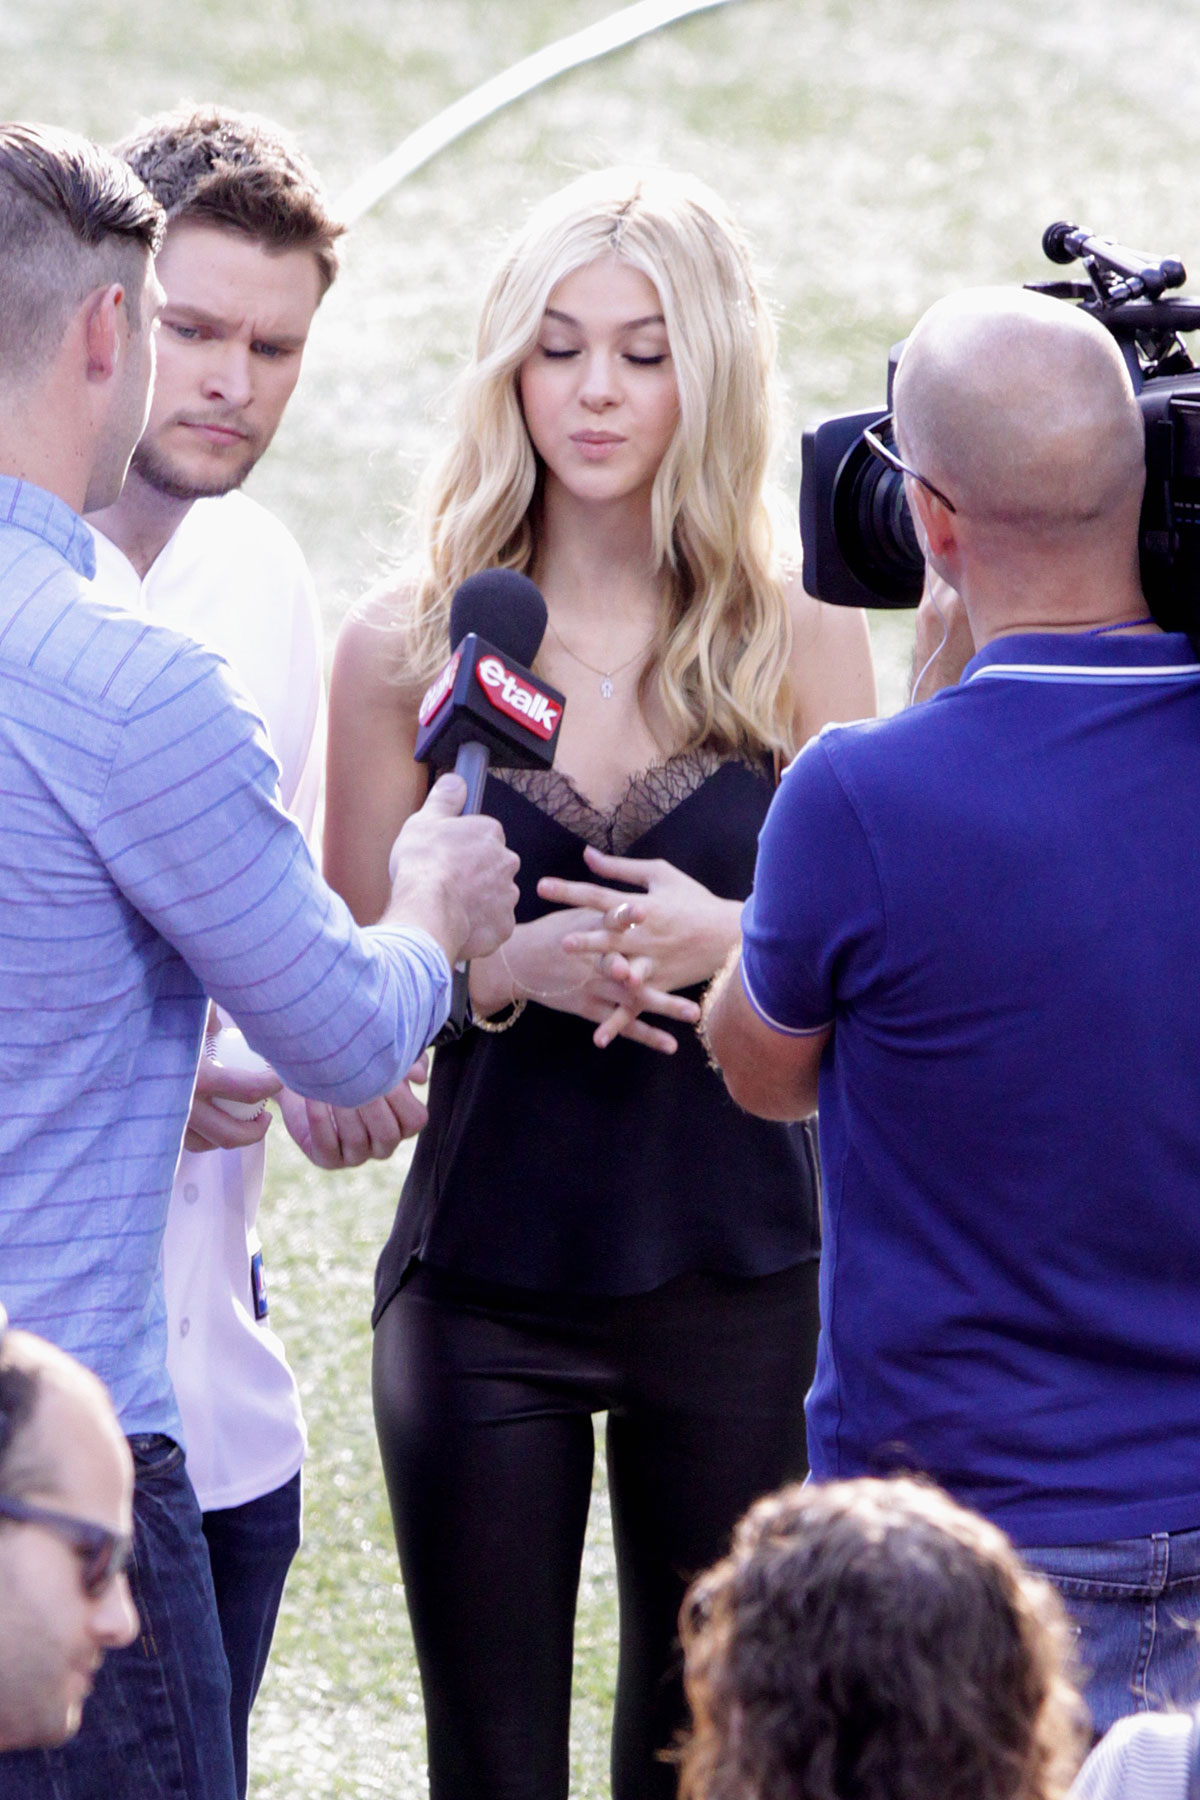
937,530
104,330
934,520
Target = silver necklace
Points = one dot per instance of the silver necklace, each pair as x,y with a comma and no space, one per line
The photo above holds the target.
606,675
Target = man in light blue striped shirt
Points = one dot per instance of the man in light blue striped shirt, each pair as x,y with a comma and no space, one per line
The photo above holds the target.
145,865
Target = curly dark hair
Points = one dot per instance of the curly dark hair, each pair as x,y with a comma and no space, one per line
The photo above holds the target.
214,166
872,1640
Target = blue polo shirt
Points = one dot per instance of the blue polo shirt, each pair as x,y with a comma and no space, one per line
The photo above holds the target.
995,901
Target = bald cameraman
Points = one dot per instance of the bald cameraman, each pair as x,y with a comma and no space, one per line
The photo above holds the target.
974,928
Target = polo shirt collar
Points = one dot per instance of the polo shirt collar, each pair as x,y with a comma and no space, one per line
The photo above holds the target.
1063,655
33,509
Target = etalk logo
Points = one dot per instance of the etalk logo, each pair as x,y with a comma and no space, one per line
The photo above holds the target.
526,704
438,691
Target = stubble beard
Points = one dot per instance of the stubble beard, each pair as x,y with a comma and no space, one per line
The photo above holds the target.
161,474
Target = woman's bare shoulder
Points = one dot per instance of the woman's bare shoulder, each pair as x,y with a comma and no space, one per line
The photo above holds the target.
372,782
371,644
831,665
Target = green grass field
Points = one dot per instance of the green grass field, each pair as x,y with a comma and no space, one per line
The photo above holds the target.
878,154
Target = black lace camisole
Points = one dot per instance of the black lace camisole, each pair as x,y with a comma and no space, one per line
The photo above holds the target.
551,1165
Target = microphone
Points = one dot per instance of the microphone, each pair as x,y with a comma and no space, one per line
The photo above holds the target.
1063,242
487,708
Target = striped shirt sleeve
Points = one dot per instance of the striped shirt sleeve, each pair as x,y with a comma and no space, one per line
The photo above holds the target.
1147,1757
191,831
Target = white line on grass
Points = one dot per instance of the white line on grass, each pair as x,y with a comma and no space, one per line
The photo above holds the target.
612,33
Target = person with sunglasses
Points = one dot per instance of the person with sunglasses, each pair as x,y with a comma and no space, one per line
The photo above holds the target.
942,641
66,1518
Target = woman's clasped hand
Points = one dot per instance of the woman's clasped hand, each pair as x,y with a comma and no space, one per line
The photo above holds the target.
673,934
612,991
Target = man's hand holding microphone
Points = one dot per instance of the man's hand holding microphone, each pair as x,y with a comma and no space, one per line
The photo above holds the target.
453,875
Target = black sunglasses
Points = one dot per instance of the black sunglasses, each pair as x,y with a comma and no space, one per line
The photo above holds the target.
880,439
102,1553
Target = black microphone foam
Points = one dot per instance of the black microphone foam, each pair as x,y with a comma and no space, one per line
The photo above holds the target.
502,607
1054,241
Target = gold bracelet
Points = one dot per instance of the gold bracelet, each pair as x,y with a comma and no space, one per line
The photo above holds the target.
515,1009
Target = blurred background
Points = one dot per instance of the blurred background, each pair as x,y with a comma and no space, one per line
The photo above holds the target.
877,155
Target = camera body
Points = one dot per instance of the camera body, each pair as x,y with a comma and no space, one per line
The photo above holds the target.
860,544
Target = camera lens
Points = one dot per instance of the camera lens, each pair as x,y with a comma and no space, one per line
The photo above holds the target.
874,528
860,544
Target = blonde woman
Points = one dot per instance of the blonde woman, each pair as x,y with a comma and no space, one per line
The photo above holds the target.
590,1225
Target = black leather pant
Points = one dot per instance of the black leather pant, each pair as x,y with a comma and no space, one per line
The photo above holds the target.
483,1404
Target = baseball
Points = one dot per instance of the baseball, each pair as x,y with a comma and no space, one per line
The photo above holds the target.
230,1049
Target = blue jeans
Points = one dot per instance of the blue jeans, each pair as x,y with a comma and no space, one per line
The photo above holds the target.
1136,1606
251,1548
156,1726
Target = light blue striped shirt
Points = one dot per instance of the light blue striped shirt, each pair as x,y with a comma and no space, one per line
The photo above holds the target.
145,864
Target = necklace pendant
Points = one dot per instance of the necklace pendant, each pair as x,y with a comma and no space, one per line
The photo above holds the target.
606,688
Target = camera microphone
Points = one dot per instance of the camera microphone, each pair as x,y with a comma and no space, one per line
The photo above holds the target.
1063,243
860,546
487,708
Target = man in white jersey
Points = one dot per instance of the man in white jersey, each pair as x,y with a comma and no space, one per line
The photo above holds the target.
249,255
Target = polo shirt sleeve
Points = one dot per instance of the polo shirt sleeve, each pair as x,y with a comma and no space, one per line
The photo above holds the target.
191,831
813,929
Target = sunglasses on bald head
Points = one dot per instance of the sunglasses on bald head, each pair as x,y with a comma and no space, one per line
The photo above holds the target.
102,1553
880,440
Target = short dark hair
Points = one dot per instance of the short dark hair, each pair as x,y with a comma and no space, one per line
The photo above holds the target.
72,218
18,1399
872,1640
217,167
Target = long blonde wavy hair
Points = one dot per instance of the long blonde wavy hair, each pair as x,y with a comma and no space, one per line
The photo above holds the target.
721,663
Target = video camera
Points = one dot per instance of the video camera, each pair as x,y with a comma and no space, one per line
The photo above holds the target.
860,545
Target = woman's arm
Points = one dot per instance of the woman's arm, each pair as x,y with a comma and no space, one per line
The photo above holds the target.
833,676
372,783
